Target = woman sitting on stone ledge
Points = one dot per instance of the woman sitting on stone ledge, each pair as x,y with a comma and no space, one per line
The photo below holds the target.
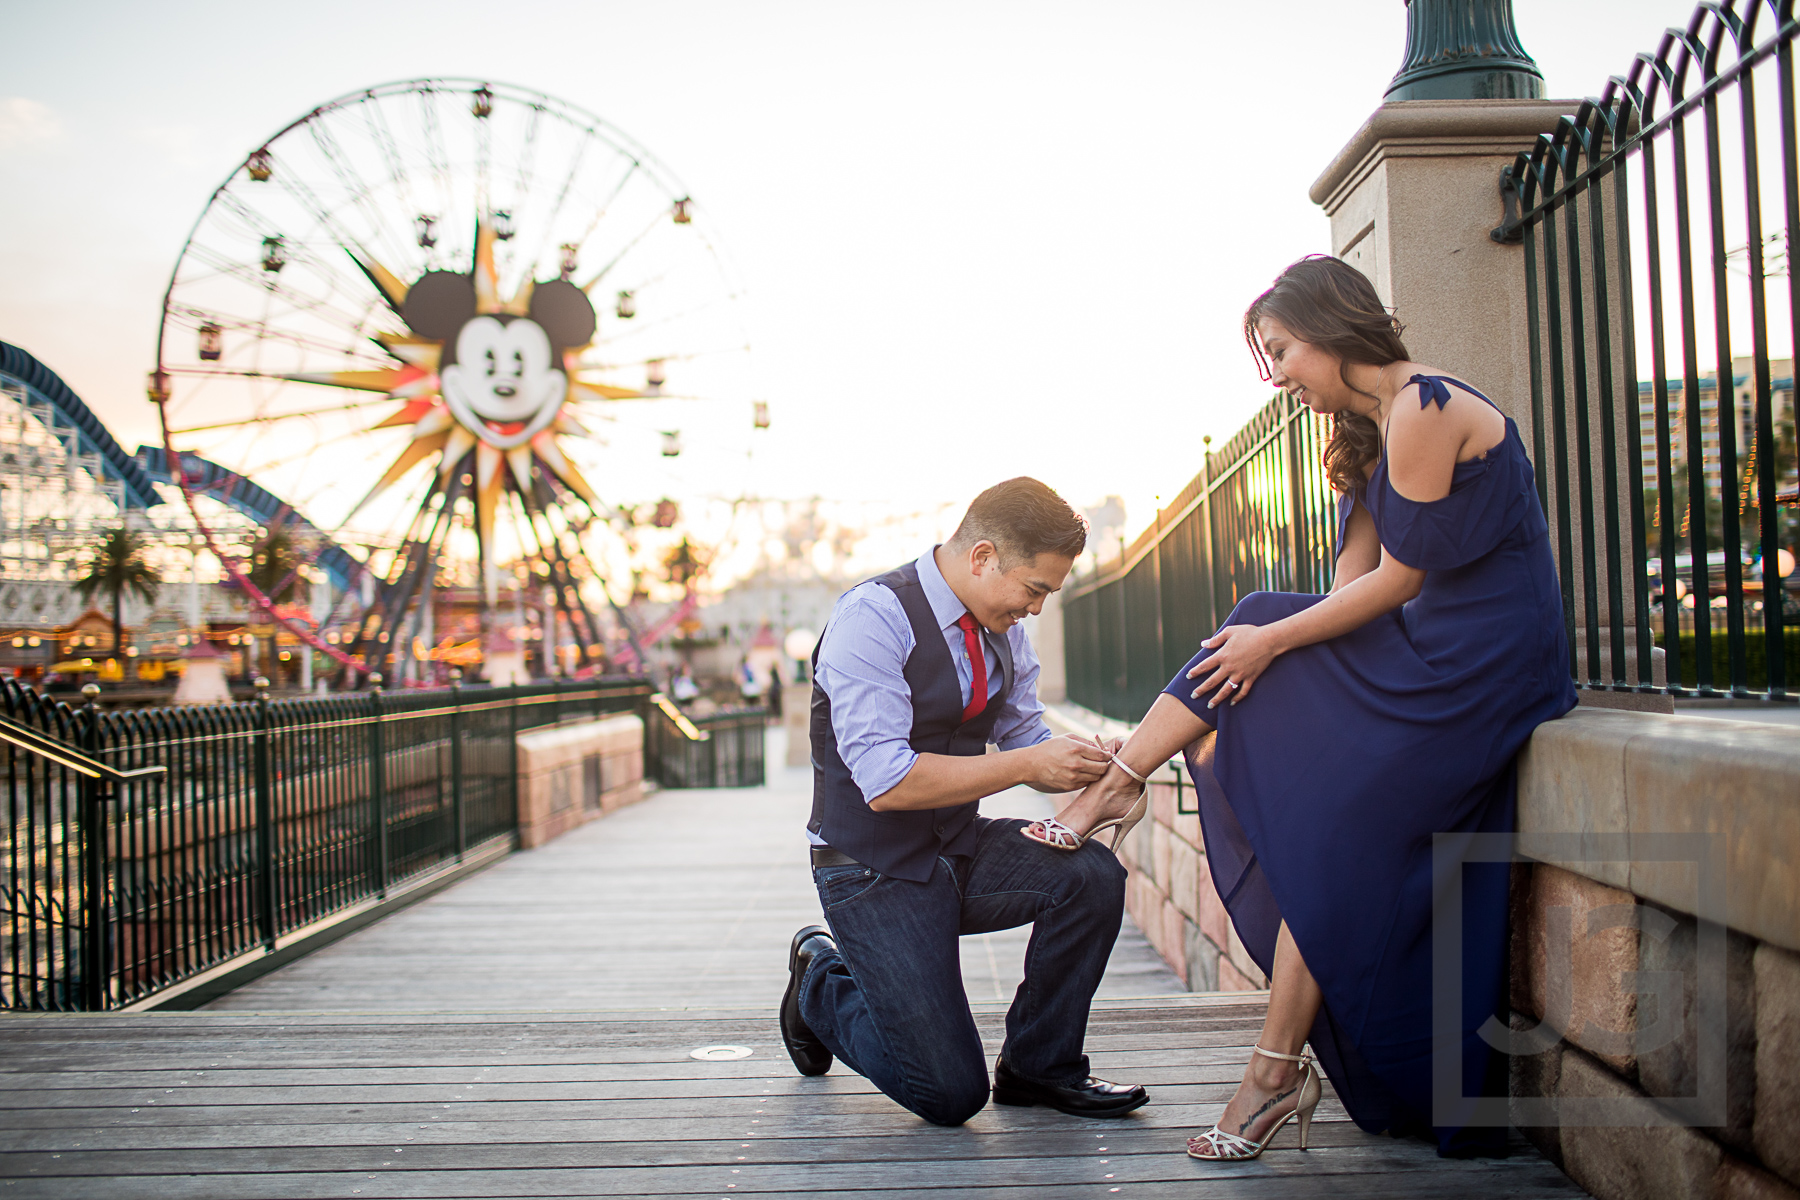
1333,739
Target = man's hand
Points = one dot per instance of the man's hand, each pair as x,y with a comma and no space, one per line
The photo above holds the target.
1065,764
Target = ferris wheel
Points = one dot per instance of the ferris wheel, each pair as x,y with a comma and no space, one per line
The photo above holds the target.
437,317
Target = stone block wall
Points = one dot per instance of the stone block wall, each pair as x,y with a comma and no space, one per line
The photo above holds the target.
571,774
1622,977
1606,948
1169,894
1605,945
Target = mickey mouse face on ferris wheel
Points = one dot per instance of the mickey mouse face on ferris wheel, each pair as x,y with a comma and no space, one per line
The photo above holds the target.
500,372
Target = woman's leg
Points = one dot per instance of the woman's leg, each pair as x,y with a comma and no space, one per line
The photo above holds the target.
1271,1086
1167,728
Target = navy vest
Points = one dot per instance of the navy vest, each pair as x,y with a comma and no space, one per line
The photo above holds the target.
906,845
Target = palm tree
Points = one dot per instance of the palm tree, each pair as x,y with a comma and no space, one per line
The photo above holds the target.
275,560
118,563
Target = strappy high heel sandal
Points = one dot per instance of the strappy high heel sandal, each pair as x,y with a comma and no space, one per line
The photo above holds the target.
1215,1145
1058,836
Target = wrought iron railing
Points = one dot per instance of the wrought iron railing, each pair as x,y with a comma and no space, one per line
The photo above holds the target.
721,750
1656,221
1662,421
1259,517
224,828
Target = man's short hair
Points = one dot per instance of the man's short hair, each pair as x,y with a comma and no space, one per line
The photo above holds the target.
1023,519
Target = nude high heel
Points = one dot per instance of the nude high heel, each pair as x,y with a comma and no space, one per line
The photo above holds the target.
1058,836
1215,1145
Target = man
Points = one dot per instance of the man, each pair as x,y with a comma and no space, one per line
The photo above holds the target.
915,673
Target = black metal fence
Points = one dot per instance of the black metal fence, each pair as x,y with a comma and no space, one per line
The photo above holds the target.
1259,517
721,750
1656,222
270,816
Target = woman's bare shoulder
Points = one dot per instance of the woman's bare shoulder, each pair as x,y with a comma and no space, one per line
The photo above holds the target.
1464,408
1425,440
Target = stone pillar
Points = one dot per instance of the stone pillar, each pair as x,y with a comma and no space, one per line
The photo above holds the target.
1412,197
1046,633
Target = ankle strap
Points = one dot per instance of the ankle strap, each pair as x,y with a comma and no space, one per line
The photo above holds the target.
1120,763
1299,1058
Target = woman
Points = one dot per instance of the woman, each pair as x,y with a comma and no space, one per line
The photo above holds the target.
1355,727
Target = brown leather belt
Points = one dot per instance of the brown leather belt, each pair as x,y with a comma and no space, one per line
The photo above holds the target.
825,856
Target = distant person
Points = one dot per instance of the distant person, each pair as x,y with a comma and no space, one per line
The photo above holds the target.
1355,729
683,687
749,686
916,673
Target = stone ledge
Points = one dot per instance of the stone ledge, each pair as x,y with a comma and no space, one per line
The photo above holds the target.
1600,772
547,749
559,791
1496,127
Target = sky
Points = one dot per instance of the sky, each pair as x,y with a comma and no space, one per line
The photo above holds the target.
978,239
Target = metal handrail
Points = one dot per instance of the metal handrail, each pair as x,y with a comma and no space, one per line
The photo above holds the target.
689,730
28,739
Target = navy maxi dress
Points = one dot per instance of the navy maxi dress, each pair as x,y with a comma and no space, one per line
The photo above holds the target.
1321,793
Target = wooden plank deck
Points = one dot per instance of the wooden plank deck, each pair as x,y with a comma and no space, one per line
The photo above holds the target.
527,1033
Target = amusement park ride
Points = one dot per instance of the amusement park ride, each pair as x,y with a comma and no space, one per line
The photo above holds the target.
402,314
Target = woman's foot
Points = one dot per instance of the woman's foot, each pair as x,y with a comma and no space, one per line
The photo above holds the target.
1108,798
1269,1091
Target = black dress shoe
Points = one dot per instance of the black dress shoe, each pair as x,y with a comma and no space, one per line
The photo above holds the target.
1089,1098
803,1045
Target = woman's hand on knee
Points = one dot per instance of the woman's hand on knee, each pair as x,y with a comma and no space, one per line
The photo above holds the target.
1240,654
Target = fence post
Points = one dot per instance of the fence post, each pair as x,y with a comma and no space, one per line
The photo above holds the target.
1298,542
456,763
378,785
95,796
265,817
512,760
1207,570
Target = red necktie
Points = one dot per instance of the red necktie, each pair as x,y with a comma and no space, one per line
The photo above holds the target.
978,694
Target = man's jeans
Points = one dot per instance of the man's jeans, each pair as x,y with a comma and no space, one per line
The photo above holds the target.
890,1002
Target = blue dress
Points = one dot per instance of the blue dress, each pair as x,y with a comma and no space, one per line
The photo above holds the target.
1323,792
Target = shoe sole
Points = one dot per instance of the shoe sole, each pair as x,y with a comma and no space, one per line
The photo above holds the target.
787,996
1028,1100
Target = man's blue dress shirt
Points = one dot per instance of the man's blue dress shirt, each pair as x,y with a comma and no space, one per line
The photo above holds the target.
862,654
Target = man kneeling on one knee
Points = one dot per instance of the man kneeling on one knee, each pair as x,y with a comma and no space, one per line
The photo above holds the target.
916,672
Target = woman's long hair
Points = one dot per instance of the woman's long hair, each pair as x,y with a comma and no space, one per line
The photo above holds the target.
1331,304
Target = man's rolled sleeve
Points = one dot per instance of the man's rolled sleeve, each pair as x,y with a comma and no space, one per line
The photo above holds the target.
861,666
1021,721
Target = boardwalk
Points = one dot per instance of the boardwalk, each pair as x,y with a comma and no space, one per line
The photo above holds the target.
528,1033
